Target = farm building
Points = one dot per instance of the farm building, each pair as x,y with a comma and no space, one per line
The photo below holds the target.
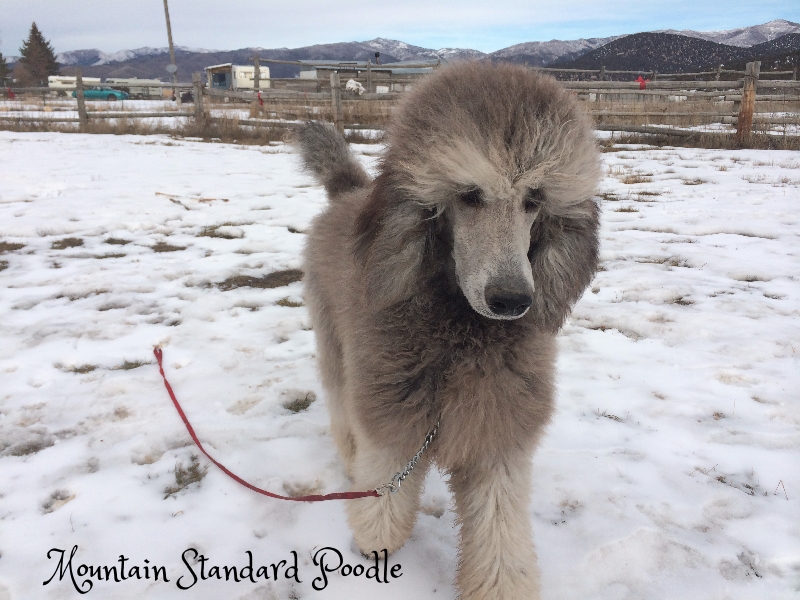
319,69
236,77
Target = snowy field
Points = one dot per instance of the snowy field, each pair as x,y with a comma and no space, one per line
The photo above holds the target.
671,469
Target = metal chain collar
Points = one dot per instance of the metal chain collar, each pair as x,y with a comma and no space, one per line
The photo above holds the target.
394,485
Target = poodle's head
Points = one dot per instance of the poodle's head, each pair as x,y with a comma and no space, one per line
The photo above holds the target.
508,161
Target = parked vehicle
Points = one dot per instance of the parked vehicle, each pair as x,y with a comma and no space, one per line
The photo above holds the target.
138,88
100,93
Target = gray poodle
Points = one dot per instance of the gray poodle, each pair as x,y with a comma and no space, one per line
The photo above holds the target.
436,290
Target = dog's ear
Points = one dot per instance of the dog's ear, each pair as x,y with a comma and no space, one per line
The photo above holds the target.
389,243
563,254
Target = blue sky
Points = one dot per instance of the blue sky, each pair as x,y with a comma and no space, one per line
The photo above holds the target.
485,25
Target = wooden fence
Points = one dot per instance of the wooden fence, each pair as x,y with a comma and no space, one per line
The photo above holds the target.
615,105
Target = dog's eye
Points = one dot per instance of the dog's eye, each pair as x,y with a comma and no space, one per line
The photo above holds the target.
533,200
472,198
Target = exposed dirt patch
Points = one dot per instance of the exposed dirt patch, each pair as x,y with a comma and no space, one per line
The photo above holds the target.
110,256
3,265
10,247
300,401
30,447
221,231
165,247
271,280
116,241
66,243
56,500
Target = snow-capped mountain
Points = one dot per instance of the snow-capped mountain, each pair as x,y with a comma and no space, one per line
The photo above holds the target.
544,53
408,52
94,57
743,36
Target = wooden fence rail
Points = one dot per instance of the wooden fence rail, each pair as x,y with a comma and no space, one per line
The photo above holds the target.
740,97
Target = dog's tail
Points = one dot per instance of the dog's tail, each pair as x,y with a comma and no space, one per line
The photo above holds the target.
326,154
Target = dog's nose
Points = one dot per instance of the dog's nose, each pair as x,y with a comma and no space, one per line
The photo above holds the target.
507,303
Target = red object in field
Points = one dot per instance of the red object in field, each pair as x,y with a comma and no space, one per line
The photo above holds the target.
260,100
642,83
159,354
11,95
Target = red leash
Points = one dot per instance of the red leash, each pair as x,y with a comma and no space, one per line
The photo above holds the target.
313,498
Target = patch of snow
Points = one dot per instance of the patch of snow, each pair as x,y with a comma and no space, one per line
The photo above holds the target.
671,468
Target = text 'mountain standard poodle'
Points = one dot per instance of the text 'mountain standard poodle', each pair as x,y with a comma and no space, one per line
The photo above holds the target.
437,289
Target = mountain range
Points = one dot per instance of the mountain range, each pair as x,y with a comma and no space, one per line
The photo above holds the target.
672,53
665,51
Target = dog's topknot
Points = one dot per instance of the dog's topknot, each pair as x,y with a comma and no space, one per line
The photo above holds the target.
476,120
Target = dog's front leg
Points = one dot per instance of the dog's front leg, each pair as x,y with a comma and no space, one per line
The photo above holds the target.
497,559
385,522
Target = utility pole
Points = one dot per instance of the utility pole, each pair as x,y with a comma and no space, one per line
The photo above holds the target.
256,72
173,67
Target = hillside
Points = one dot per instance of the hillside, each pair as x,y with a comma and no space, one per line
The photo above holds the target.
664,52
782,54
670,53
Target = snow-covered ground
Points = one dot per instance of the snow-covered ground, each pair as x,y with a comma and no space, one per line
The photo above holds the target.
671,469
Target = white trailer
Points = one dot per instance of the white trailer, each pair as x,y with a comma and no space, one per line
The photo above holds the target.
63,82
236,77
138,88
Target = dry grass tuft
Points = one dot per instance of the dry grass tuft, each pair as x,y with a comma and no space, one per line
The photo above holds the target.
127,365
66,243
271,280
184,477
116,241
301,402
634,178
288,303
627,209
165,247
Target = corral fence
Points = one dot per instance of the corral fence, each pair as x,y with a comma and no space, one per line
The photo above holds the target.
669,104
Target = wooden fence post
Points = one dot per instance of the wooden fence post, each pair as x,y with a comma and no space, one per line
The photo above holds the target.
603,73
369,75
199,116
719,72
336,102
83,118
794,73
744,125
256,73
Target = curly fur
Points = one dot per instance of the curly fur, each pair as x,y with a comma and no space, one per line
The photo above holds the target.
400,340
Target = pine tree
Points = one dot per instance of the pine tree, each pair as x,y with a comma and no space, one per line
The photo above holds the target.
38,57
4,71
